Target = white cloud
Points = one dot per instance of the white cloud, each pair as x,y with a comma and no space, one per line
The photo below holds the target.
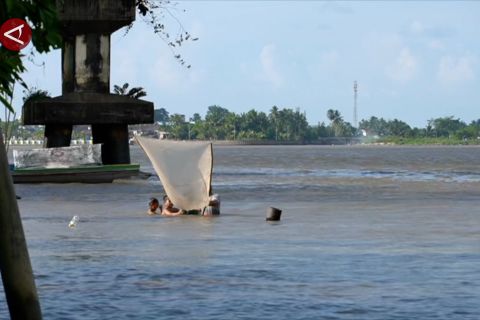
404,67
453,70
269,67
417,27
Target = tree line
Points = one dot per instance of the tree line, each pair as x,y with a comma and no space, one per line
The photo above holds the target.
291,125
280,125
288,125
221,124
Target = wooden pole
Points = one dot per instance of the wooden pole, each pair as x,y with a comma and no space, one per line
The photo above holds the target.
17,274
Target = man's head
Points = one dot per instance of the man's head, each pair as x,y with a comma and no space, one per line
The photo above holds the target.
166,202
153,204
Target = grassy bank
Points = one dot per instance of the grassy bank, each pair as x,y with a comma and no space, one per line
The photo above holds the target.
428,141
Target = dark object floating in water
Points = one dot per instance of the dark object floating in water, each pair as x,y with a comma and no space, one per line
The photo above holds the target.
18,197
273,214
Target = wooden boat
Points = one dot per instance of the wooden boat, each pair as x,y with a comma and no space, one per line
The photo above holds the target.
81,164
80,174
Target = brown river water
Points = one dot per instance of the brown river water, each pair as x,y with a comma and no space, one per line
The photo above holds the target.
367,232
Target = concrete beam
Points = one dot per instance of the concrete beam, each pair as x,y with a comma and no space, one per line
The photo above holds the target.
88,108
96,16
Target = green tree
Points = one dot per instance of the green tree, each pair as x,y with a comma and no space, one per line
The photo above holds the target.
196,127
334,115
273,119
300,125
161,115
447,126
472,131
216,122
417,132
288,124
196,118
254,125
375,125
135,92
398,128
336,120
198,130
321,130
178,126
33,94
345,129
232,125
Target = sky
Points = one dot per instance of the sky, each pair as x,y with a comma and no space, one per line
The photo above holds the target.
413,60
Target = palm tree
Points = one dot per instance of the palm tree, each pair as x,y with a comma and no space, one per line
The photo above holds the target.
34,93
136,92
337,121
334,116
273,116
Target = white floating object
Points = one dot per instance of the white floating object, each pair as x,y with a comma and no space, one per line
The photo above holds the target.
73,223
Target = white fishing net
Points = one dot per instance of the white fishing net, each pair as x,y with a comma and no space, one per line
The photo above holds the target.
184,168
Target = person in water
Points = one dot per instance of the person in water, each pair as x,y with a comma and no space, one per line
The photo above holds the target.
153,205
169,209
213,207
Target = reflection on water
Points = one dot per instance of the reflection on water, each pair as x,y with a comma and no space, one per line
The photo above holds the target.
366,233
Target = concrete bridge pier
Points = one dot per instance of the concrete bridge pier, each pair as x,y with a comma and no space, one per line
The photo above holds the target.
86,29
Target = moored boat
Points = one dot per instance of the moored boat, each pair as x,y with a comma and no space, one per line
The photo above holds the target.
80,174
80,164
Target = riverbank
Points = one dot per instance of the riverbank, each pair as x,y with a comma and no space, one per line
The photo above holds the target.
389,141
429,141
354,141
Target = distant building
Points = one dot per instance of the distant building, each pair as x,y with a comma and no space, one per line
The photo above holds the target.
163,135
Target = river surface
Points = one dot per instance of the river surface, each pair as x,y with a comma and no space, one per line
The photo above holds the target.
367,232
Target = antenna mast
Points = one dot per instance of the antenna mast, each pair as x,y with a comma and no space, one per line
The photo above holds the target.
355,90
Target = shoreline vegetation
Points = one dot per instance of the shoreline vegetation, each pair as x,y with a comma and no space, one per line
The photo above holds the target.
339,141
290,127
278,127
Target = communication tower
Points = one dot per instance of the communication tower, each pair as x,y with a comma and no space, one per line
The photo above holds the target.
355,91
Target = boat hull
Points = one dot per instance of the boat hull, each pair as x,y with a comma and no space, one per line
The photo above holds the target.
83,174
